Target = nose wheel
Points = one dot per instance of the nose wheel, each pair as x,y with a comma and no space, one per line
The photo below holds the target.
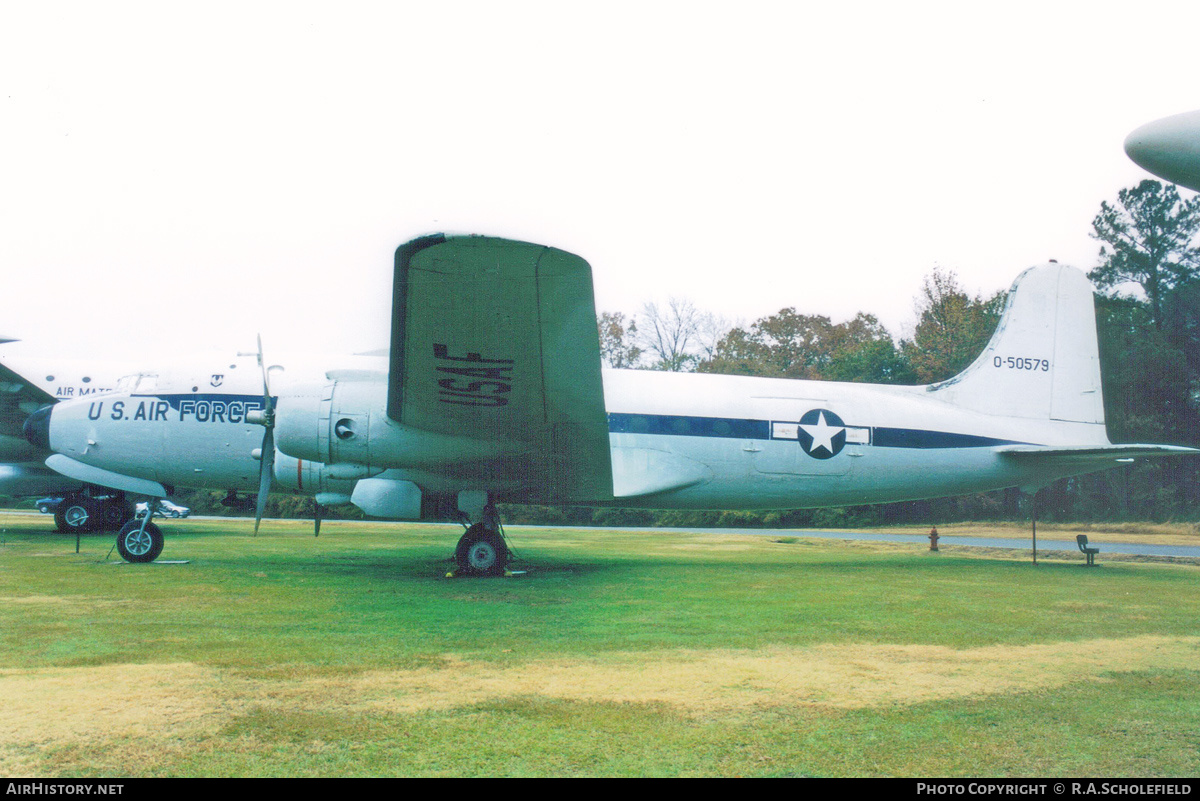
139,540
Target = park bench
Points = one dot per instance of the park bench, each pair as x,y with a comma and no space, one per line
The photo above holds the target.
1089,551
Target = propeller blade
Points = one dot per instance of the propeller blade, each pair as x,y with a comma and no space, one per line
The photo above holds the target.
266,465
266,469
316,519
262,363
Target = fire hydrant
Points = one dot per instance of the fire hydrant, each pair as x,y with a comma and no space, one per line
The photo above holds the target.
933,538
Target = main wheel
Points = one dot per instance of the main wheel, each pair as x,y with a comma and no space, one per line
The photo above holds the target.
136,545
481,552
115,513
77,513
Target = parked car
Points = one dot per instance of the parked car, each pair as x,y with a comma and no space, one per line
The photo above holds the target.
166,509
48,505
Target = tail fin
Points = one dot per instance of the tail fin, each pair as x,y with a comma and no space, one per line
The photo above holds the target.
1043,362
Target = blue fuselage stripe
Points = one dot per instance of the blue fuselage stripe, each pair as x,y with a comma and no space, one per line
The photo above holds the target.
734,428
682,426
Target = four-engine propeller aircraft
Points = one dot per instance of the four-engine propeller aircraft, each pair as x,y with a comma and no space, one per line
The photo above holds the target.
492,391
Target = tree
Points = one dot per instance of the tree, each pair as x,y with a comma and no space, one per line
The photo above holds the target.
676,334
784,345
617,340
1148,241
793,345
952,327
866,352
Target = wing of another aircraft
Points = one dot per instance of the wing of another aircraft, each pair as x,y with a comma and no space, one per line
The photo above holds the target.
18,400
496,341
1169,148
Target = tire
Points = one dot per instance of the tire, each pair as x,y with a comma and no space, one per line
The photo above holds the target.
481,552
139,546
114,514
76,514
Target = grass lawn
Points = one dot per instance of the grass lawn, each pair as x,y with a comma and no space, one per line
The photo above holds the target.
616,654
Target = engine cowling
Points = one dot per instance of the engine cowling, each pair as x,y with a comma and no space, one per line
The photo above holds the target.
311,478
343,423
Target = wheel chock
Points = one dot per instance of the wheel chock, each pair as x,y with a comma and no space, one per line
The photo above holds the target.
507,573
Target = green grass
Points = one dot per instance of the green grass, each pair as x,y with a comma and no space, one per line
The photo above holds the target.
615,654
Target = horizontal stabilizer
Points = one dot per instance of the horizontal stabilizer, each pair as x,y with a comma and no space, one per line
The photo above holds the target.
1094,454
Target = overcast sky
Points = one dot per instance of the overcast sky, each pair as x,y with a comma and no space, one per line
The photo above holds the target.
181,175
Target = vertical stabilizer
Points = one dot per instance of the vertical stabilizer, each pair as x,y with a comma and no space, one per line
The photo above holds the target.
1043,362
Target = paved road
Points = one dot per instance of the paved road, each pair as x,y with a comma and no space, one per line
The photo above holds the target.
1025,543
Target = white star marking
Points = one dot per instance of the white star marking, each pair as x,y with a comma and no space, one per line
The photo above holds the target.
822,433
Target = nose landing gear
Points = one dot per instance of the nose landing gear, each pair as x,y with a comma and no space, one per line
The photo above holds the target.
139,540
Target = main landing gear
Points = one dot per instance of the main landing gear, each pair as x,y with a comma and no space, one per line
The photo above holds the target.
481,550
82,512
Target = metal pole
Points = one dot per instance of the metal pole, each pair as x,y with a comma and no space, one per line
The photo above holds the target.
1034,505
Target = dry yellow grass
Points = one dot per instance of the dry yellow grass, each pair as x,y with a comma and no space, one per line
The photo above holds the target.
58,706
707,682
61,706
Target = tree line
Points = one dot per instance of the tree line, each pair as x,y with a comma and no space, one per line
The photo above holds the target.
1148,323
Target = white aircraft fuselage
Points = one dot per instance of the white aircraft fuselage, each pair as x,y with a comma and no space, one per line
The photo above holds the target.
1028,411
677,441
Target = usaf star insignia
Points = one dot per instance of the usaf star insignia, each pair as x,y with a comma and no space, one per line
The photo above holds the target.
822,434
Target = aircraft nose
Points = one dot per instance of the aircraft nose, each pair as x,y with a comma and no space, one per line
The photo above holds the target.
37,428
1169,148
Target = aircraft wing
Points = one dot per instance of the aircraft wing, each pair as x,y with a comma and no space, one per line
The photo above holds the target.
1094,454
496,341
18,400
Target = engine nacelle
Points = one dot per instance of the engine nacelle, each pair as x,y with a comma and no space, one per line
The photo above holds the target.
344,423
310,478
